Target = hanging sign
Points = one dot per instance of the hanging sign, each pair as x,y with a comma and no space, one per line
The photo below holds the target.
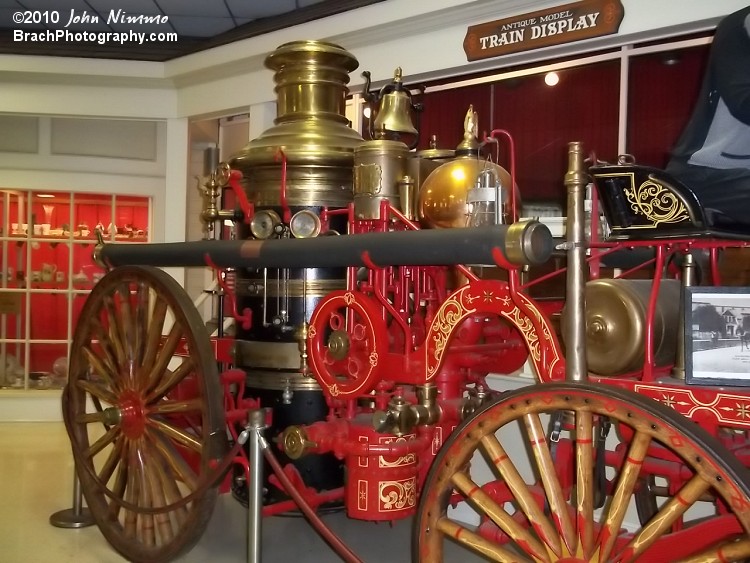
554,26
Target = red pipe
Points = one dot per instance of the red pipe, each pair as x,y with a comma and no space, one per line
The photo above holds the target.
286,214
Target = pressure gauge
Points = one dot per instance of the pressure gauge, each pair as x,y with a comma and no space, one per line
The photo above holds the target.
263,223
305,224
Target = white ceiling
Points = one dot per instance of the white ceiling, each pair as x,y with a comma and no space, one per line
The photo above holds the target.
195,21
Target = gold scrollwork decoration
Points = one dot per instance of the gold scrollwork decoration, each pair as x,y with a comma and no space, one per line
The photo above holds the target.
397,495
658,204
408,459
448,316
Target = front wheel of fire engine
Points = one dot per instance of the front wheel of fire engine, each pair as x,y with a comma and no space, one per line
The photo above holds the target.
144,413
500,490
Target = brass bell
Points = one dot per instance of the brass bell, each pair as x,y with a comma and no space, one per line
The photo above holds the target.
394,112
394,108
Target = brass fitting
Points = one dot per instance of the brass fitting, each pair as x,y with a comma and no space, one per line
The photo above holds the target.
211,192
301,335
472,404
295,442
402,417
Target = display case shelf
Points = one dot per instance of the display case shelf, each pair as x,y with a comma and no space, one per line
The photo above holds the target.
47,270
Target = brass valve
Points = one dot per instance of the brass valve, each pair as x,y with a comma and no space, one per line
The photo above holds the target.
402,417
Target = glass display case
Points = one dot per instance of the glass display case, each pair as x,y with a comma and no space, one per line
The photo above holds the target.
47,270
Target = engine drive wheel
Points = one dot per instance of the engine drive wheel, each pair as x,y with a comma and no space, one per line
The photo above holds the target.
144,413
518,500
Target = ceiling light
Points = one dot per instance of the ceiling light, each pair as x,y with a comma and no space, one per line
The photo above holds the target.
44,195
551,78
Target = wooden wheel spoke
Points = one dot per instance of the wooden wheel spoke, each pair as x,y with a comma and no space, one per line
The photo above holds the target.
585,480
101,366
90,417
153,337
132,496
177,435
476,542
668,514
145,499
120,485
163,357
190,406
726,551
115,455
114,335
126,321
550,481
165,481
97,390
173,460
159,490
504,521
108,355
526,501
171,380
109,437
141,314
626,484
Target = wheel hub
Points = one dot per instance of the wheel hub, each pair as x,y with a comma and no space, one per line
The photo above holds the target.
338,344
132,414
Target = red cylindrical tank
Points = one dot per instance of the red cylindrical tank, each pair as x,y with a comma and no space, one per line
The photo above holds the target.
380,487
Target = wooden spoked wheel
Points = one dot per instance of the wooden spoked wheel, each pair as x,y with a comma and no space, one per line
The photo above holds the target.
501,490
144,413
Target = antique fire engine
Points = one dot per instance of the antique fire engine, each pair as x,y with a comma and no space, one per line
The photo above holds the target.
337,341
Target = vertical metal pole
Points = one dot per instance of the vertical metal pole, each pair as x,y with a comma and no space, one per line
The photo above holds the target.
256,424
575,337
688,280
76,517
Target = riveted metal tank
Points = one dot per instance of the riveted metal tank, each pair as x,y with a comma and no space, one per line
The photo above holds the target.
311,128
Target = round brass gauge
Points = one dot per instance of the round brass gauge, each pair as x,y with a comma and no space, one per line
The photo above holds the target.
305,224
263,223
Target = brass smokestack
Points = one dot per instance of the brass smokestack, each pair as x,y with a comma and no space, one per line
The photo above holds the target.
311,128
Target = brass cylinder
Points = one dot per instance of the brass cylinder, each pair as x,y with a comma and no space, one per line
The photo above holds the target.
311,128
379,169
616,323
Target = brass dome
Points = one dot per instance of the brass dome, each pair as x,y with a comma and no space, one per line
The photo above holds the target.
442,197
443,194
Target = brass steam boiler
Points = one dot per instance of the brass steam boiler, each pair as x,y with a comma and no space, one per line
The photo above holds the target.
290,173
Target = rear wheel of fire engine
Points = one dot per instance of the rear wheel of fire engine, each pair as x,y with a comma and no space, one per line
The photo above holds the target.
500,490
144,413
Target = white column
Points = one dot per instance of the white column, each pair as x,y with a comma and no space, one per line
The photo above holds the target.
170,208
261,118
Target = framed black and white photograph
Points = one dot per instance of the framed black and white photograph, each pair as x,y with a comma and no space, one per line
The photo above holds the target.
717,336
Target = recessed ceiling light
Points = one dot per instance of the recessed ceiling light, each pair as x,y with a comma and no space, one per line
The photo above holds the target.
44,195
